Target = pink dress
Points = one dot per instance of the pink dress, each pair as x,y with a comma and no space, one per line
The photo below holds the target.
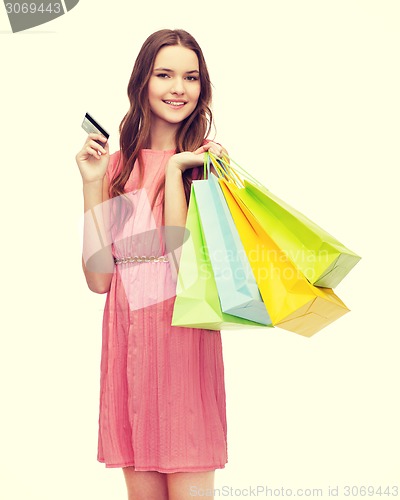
162,393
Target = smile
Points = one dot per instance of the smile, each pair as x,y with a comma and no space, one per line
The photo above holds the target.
178,104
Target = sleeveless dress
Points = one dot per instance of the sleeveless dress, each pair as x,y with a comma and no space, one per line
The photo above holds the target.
162,393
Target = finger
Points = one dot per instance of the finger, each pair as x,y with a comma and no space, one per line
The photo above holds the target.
100,137
215,148
216,151
96,145
201,149
213,144
93,152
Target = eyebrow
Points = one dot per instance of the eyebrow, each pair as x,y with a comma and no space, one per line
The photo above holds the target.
171,71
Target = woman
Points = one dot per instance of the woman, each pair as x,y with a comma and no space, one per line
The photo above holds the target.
162,396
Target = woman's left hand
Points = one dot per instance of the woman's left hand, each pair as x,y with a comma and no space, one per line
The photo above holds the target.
187,159
212,147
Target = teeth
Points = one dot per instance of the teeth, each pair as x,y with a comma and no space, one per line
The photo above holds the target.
174,103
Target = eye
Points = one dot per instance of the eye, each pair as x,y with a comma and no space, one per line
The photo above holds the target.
193,78
162,75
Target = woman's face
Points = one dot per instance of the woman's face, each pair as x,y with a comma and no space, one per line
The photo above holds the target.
174,85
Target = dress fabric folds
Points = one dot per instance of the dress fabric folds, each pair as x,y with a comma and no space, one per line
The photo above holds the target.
162,393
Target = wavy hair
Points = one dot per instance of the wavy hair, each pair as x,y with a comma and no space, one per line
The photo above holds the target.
135,127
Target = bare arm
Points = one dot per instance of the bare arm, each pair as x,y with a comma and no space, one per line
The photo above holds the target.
97,258
175,208
175,213
99,267
175,202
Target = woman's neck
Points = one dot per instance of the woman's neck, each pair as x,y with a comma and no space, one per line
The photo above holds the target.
162,135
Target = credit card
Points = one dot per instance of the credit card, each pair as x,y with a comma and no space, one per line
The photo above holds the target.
90,126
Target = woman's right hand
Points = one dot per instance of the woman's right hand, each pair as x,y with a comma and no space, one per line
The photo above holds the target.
91,163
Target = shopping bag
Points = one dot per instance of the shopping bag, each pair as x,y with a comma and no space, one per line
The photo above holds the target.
237,289
197,303
293,303
323,260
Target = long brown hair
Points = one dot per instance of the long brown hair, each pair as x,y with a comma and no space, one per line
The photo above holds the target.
134,128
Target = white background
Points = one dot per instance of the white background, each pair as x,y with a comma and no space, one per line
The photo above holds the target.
306,97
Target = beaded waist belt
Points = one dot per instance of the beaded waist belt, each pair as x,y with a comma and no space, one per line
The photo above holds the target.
152,258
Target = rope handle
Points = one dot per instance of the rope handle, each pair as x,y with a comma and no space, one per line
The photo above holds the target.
233,174
222,171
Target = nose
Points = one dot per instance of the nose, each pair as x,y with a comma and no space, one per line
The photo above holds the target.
177,86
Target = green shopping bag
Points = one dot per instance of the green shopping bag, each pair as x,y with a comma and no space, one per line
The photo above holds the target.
322,259
197,304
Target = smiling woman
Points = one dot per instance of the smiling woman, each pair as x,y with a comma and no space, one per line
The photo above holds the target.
162,394
174,90
140,129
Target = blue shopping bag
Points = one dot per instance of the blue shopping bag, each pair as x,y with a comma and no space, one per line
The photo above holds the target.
237,288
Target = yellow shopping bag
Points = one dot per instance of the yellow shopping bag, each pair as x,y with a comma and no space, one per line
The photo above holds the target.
293,303
322,259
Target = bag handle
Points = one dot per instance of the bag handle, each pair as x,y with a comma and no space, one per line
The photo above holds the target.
221,170
225,172
206,165
234,172
208,160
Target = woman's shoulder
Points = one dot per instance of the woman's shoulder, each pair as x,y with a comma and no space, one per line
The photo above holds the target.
115,156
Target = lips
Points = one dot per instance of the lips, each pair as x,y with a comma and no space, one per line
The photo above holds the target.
175,104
